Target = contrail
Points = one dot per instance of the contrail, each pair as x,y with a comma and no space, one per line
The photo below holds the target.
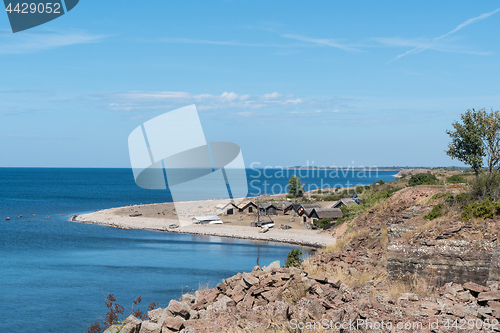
424,47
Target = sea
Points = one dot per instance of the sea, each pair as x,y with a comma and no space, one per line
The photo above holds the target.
56,274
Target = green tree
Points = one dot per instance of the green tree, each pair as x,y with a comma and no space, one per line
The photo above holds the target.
295,187
466,141
489,124
477,139
293,259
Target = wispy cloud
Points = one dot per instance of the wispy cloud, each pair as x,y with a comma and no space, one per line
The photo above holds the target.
32,42
421,44
225,43
435,42
322,42
225,105
140,100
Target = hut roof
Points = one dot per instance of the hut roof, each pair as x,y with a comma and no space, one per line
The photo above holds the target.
330,213
344,202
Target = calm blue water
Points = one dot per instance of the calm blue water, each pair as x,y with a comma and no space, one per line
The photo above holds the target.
55,274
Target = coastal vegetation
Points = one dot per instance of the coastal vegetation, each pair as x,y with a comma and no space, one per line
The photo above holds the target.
295,187
475,139
423,179
293,258
115,313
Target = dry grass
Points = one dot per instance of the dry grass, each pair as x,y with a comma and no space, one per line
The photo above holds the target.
412,284
203,286
294,292
340,244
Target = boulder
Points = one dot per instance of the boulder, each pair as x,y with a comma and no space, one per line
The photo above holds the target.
113,329
474,287
250,280
131,324
150,327
188,298
178,309
130,328
489,296
222,304
173,323
189,329
271,266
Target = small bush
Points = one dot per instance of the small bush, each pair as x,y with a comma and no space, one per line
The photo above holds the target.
381,182
293,259
481,210
435,212
456,179
486,186
423,178
321,223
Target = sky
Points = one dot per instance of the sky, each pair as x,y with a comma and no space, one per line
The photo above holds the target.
321,83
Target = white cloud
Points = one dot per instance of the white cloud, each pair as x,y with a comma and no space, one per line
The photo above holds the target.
35,42
245,104
273,95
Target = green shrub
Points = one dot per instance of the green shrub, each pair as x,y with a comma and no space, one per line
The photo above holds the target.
322,222
456,179
486,186
435,212
381,182
481,210
293,259
422,178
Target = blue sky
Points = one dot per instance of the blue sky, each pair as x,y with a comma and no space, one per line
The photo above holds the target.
292,82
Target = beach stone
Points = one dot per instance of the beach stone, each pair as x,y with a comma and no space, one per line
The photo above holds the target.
212,296
256,269
271,266
489,296
495,305
248,301
175,324
150,327
189,329
113,329
238,294
222,304
333,281
475,287
130,328
408,297
200,325
132,321
178,309
158,315
188,298
250,280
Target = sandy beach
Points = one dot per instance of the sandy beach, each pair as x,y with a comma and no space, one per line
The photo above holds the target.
160,217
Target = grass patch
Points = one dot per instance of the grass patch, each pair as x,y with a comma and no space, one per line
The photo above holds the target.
456,179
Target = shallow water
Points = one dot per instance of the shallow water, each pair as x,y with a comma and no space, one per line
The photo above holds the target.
55,274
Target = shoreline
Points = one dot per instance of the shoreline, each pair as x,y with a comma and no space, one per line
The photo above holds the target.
115,218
